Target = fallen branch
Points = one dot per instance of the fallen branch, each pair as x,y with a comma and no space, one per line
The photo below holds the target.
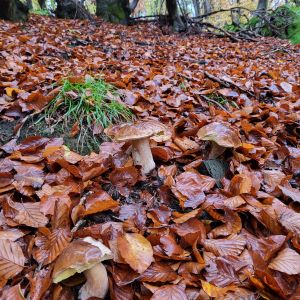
227,84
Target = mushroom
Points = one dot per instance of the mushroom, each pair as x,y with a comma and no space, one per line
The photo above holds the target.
139,134
222,136
84,255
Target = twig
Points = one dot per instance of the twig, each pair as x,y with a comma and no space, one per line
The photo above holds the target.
214,78
214,102
227,84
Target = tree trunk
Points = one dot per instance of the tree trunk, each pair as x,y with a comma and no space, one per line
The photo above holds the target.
261,7
196,5
71,9
29,4
116,11
236,15
206,7
174,16
42,4
13,10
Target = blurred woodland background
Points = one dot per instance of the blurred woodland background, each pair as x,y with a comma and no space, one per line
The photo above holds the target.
247,18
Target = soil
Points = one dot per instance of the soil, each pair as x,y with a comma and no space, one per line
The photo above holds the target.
6,131
81,145
30,128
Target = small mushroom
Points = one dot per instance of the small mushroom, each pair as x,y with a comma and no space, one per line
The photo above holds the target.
222,136
84,255
139,134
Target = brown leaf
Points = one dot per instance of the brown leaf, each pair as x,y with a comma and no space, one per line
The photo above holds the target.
127,176
190,231
98,202
49,247
158,272
221,247
14,292
288,191
11,234
191,186
28,213
287,261
240,184
40,283
136,251
75,129
214,291
174,292
12,259
29,176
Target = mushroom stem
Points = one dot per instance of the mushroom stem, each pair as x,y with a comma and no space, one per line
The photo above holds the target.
96,283
142,155
216,150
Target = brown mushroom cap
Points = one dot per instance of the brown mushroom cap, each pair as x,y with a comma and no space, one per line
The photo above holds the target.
79,256
140,130
221,134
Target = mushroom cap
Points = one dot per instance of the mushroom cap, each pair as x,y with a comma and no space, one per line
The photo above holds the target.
139,130
80,255
221,134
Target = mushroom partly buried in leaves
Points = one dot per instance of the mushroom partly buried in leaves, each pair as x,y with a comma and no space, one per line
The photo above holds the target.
84,255
138,134
222,136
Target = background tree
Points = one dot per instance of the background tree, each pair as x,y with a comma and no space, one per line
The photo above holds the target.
42,4
13,10
261,7
196,5
71,9
174,15
117,11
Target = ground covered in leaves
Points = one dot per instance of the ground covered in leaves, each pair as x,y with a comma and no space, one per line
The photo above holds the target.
226,228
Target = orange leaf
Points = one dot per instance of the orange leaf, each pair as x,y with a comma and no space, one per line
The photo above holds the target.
136,251
98,202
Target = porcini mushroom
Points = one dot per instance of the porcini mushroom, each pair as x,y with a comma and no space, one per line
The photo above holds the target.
139,134
222,136
84,255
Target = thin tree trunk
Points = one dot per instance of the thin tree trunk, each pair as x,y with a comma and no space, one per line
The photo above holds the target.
174,15
196,5
206,6
42,4
261,7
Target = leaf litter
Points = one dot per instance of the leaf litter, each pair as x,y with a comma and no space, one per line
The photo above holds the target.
183,231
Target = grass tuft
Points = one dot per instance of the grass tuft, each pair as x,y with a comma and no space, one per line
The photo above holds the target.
89,104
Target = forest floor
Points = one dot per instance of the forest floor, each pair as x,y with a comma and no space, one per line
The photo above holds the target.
194,228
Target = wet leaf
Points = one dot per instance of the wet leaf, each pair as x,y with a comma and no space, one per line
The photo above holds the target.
136,251
174,292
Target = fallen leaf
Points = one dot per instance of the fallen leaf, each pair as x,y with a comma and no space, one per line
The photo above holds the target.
136,251
12,260
287,261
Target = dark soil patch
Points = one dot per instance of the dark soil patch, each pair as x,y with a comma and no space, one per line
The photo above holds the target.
82,145
6,131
